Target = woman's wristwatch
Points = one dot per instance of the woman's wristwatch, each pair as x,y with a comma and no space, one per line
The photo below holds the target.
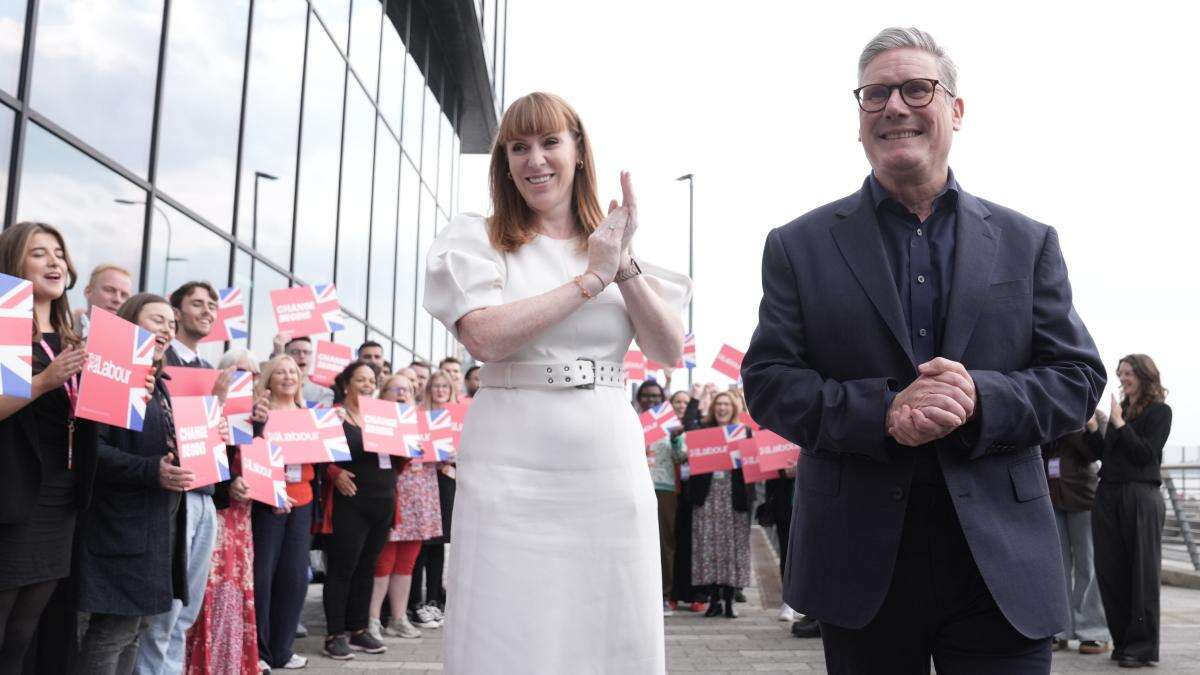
629,272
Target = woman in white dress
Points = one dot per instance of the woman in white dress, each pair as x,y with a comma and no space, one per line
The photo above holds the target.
555,563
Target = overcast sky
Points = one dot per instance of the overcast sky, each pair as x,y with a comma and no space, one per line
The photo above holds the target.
1075,115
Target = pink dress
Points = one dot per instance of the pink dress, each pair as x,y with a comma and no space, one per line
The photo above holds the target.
224,639
418,512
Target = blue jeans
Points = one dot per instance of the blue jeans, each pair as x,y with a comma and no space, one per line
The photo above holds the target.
1087,612
281,544
161,649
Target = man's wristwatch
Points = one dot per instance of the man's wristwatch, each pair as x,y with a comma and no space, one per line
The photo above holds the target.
629,272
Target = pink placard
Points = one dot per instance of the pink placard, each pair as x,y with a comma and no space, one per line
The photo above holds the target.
16,328
775,452
440,435
746,451
198,438
329,360
729,362
689,352
657,421
745,418
230,323
307,310
113,388
262,469
308,436
635,365
708,449
390,428
184,381
239,404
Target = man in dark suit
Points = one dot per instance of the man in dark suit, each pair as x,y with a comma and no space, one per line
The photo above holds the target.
920,344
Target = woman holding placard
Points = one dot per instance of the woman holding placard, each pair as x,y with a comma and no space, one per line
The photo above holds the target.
48,463
554,500
132,554
418,517
363,509
281,536
224,637
720,521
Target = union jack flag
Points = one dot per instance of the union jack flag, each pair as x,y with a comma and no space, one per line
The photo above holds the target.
656,421
734,435
440,424
241,428
16,329
230,323
328,306
280,485
329,428
143,355
239,404
213,414
689,350
410,430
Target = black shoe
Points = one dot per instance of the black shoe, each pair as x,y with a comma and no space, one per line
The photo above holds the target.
363,642
730,612
1116,654
806,628
337,647
1131,662
714,608
739,596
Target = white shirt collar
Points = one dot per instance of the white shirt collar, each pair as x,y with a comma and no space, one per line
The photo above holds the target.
181,350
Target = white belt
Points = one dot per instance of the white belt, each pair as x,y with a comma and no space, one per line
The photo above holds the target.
577,374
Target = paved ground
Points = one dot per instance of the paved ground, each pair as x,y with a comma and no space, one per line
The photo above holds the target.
755,642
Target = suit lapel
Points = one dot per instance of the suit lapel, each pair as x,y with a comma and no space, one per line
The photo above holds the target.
858,239
974,258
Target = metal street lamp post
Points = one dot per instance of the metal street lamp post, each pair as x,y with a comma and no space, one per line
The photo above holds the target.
254,236
690,178
170,233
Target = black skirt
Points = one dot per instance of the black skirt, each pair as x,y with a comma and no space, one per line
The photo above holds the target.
38,549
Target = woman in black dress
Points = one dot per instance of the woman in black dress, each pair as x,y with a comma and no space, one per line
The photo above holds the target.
44,481
1127,517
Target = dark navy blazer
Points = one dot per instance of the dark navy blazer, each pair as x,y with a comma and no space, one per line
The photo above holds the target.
831,342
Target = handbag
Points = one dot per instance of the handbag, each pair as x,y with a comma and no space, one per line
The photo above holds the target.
765,515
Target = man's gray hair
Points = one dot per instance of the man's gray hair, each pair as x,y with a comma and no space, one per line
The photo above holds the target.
234,357
910,38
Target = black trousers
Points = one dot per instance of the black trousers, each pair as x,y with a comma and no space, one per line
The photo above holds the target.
360,529
682,589
427,572
937,607
1127,525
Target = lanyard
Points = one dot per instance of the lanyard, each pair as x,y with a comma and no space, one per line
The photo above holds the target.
72,387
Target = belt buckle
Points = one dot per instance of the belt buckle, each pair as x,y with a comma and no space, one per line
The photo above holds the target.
595,373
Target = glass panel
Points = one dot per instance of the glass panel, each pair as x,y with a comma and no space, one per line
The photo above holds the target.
391,81
424,336
316,209
272,118
354,227
69,190
336,15
406,254
414,104
182,250
202,96
352,336
429,143
6,132
12,41
94,70
364,41
446,151
381,291
257,291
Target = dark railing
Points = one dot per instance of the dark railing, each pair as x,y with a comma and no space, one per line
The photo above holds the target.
1181,491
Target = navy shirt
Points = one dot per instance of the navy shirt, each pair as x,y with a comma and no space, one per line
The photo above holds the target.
921,257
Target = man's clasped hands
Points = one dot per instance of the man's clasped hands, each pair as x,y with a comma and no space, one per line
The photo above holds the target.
940,400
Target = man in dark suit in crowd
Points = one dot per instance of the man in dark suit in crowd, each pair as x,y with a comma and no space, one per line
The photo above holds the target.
920,344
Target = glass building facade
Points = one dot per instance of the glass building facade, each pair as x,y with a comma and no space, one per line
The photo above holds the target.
252,143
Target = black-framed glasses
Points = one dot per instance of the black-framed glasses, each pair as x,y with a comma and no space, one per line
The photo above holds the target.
916,93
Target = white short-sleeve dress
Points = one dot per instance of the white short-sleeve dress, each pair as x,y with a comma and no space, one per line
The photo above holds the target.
555,561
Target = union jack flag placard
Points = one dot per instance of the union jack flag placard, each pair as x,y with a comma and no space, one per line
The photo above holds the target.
709,449
387,429
230,323
656,421
239,403
262,469
307,310
441,442
308,436
198,437
16,333
113,388
689,352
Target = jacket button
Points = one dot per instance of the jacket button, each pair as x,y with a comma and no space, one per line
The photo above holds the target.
897,494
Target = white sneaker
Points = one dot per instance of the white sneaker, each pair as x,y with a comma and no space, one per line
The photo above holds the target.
263,666
438,614
787,613
375,629
667,611
296,662
402,628
426,618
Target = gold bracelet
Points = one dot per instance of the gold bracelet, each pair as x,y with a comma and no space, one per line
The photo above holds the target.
583,291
